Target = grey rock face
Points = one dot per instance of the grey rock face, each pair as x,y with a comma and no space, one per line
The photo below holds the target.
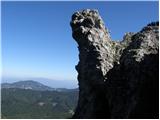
116,79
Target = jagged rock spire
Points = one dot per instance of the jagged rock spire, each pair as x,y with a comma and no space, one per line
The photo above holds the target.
116,79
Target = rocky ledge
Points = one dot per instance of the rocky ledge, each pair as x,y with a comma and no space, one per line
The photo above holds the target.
116,79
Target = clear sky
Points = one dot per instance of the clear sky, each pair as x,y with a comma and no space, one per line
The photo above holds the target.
37,39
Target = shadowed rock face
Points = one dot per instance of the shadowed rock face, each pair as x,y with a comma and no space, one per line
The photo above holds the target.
116,79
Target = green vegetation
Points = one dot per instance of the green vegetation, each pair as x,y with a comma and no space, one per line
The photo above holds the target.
20,103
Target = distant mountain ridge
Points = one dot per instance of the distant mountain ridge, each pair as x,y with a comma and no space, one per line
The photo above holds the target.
28,84
33,85
53,83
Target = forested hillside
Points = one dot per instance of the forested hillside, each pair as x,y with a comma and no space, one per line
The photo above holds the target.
21,103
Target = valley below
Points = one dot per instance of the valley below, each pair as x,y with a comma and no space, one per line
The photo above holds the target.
33,100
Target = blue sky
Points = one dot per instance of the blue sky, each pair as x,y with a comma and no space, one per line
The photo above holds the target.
37,38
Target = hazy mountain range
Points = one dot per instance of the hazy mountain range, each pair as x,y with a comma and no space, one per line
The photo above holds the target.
70,84
33,85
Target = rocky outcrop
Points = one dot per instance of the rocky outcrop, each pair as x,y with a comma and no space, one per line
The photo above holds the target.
116,79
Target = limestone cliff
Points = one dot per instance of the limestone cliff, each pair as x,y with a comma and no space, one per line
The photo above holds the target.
116,79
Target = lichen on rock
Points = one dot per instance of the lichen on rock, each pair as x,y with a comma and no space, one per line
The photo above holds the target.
116,79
